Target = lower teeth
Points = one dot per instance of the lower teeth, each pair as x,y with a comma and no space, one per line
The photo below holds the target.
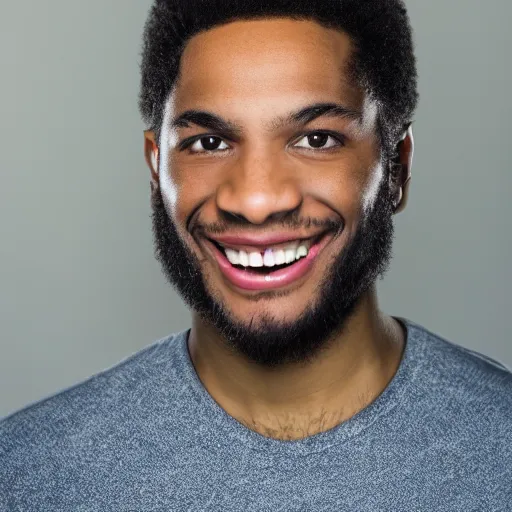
266,270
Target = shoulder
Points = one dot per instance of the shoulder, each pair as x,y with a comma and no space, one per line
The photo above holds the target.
442,352
458,380
102,398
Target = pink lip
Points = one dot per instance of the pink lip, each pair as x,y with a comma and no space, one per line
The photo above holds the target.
249,280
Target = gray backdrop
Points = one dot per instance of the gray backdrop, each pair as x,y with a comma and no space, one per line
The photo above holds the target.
79,287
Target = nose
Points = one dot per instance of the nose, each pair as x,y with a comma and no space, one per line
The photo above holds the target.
259,188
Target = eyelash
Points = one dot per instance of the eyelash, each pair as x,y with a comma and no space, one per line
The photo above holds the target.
338,137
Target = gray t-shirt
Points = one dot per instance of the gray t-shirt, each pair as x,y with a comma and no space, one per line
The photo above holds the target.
145,435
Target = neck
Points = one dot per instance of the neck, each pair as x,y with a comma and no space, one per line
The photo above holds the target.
297,401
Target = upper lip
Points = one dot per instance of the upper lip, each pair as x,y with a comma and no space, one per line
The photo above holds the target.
261,239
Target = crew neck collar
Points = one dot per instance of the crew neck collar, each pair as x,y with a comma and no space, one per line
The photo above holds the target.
230,430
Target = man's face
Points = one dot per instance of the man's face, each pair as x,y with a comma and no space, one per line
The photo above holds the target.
273,223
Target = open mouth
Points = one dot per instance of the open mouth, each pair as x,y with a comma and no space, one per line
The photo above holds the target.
264,268
269,259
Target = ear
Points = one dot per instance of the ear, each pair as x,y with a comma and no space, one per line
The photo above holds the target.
151,154
400,171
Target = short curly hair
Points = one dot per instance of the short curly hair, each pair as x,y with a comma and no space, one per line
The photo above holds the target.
383,62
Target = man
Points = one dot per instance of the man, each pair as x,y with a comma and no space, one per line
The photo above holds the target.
280,147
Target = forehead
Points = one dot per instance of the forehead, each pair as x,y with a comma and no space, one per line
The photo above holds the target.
263,62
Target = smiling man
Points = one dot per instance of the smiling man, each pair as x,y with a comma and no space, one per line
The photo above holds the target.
280,147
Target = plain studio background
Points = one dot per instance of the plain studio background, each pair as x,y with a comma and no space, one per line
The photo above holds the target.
79,286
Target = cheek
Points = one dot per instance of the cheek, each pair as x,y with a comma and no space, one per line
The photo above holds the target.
186,190
372,186
360,182
344,188
170,191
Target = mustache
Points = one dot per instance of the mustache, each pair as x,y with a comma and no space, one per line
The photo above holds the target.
296,222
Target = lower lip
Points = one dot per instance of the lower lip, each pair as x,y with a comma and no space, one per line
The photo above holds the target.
250,280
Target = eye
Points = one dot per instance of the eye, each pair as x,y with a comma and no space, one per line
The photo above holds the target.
208,143
319,140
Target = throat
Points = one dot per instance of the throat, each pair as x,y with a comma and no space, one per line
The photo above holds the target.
287,427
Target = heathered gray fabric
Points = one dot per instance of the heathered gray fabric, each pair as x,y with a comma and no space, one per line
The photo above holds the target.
145,435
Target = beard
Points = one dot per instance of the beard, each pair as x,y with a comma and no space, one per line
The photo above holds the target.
269,342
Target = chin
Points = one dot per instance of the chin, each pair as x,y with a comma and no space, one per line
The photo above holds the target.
277,307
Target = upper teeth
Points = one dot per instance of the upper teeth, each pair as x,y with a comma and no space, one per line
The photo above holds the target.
269,258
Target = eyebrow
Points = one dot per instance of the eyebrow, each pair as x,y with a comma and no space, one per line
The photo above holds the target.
233,130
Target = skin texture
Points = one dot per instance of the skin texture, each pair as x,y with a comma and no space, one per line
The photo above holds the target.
251,73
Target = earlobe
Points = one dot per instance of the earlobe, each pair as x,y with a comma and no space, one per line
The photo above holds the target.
396,172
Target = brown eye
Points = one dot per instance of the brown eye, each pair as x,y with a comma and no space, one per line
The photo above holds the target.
318,140
209,143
